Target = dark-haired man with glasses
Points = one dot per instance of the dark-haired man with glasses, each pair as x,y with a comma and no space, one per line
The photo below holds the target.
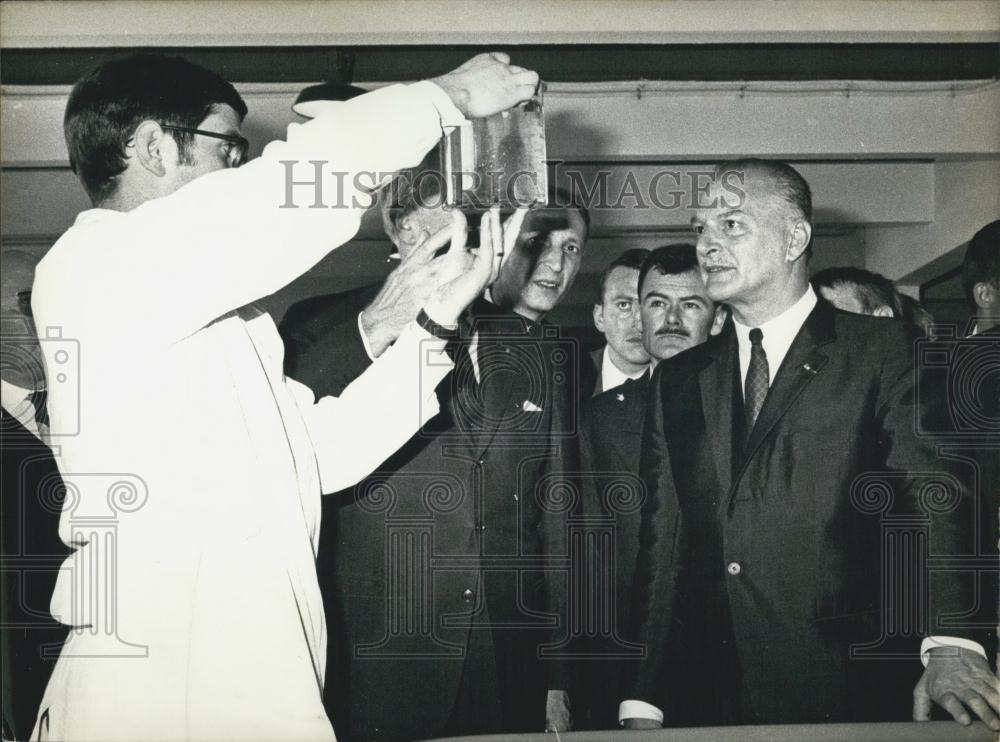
201,618
233,150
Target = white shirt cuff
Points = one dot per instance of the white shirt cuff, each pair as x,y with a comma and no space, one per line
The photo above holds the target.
948,641
364,339
450,115
638,710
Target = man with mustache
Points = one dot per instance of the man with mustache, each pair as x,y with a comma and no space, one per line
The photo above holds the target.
616,316
676,314
775,456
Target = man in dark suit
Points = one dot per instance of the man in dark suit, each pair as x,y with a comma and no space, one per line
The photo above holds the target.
780,456
616,316
976,418
30,550
676,313
444,612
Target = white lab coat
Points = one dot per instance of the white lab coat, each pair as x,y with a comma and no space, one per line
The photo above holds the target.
193,466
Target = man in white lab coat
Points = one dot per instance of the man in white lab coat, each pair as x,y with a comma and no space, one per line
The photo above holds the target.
193,466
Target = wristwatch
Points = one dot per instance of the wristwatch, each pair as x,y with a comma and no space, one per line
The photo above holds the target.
438,331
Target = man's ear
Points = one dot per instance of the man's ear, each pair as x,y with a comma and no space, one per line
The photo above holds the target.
985,295
599,317
799,240
153,148
883,311
719,320
408,233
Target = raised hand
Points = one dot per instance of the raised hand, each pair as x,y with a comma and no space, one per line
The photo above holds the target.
467,273
408,288
488,84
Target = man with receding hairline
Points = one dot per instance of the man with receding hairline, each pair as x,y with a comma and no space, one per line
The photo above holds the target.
755,576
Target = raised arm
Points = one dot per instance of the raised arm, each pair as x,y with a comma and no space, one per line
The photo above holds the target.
381,409
233,236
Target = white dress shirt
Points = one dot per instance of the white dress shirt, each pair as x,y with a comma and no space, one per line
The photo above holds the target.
17,401
612,376
193,465
778,334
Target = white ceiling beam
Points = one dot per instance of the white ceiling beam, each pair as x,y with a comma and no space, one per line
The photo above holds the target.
663,122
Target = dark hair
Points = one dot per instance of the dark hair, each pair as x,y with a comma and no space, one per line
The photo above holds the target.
670,260
916,314
633,258
560,198
982,260
107,104
872,289
424,187
789,183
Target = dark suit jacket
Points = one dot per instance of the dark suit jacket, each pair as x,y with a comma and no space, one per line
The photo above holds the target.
591,376
761,566
32,554
323,348
610,442
451,534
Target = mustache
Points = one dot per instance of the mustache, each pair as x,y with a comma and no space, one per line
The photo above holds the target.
678,331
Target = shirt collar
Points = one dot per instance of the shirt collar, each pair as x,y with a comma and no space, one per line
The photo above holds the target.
612,376
779,332
17,401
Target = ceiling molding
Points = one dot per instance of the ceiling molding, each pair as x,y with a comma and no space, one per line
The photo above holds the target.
83,23
582,63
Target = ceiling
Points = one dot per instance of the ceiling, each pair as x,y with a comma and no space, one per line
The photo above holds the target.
892,109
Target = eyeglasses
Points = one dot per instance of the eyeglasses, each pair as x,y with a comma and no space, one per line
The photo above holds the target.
236,154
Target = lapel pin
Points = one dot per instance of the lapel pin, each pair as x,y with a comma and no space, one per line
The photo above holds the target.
621,397
808,367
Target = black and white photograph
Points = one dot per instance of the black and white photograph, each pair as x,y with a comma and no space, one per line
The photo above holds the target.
515,371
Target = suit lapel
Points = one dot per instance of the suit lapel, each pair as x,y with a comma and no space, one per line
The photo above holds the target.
800,366
635,405
495,353
716,382
596,371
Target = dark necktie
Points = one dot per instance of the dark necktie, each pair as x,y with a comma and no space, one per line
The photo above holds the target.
755,388
38,400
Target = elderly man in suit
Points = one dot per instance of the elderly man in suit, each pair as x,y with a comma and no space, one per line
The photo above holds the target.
675,313
776,454
434,569
616,316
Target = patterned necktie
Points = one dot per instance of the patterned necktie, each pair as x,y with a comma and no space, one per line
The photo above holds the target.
758,381
38,400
